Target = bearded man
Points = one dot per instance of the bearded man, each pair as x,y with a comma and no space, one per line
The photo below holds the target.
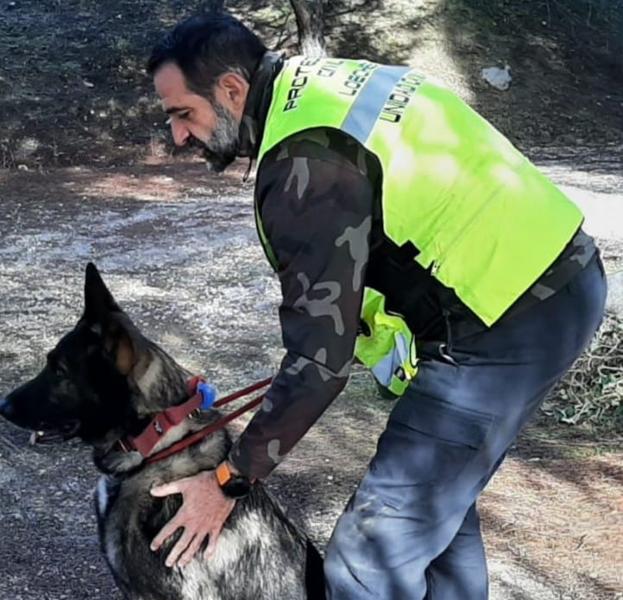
406,232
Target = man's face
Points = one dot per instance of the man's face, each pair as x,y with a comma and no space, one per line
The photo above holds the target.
195,121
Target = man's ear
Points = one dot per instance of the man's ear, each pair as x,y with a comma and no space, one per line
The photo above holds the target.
98,301
231,91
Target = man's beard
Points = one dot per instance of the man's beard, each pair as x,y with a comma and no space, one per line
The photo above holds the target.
222,147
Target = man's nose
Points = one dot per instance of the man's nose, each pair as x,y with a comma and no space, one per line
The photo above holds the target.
180,133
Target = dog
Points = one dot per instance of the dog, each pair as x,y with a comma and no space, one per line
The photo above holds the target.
103,382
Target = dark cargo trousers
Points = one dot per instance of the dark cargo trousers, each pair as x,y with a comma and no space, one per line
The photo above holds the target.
411,530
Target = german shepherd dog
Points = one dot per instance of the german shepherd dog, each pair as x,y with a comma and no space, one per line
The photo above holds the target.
105,381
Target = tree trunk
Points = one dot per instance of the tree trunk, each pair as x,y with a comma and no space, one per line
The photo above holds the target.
309,20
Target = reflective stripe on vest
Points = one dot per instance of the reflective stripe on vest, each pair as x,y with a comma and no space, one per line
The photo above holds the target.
485,221
367,107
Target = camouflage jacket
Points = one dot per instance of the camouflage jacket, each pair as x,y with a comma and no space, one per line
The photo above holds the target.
319,197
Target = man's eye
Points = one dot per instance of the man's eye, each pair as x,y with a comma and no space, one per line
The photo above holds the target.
183,115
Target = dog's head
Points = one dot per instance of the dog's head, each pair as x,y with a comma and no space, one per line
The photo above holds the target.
86,387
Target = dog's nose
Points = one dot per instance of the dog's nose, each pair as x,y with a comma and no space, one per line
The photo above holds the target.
6,408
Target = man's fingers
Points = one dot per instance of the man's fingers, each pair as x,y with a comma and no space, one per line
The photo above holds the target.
186,538
175,487
166,532
192,550
209,551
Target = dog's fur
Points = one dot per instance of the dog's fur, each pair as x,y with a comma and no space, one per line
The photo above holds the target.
103,381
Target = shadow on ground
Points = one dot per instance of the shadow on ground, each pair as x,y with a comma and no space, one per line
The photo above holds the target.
565,59
73,89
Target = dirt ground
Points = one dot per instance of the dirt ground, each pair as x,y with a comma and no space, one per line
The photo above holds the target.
87,173
73,89
178,249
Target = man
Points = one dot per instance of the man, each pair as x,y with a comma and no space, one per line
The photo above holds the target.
407,231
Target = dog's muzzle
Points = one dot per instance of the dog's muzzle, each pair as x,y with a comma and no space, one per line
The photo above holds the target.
7,409
51,433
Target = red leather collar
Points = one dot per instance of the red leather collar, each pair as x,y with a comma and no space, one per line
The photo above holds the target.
164,421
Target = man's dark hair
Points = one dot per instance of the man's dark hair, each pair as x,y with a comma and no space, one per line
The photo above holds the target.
206,46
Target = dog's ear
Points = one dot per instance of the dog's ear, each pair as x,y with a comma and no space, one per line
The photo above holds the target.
125,342
104,316
98,301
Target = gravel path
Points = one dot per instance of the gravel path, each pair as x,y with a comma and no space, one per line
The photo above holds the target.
181,257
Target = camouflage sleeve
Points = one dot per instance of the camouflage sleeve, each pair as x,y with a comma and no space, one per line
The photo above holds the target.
316,212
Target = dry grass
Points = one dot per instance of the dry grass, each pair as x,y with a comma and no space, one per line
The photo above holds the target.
591,394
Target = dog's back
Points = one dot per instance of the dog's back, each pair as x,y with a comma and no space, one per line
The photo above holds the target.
259,556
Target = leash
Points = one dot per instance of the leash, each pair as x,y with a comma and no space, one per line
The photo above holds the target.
203,398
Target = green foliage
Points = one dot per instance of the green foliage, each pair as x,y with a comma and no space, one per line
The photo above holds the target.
591,394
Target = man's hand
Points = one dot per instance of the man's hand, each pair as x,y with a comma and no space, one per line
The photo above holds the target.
203,512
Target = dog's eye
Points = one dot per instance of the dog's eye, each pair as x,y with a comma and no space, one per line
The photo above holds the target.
60,369
56,366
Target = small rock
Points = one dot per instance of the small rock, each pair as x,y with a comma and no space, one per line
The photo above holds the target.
498,78
614,302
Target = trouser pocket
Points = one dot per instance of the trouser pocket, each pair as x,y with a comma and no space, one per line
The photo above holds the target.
432,440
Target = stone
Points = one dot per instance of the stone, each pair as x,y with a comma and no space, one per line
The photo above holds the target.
614,301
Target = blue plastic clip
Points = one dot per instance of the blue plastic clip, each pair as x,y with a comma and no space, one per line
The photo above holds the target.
208,394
